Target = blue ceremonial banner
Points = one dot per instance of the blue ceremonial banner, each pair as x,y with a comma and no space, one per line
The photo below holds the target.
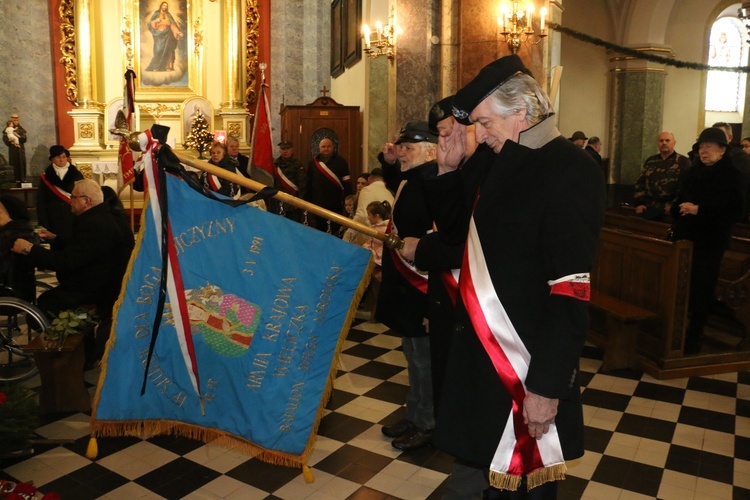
269,302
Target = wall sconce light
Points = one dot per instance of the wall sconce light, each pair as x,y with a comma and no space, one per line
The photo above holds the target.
382,40
516,25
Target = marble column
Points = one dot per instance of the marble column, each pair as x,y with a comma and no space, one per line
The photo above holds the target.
233,112
88,116
414,76
637,111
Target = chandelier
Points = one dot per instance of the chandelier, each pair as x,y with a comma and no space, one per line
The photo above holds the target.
516,25
382,40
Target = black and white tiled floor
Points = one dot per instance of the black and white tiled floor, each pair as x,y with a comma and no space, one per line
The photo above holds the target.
678,439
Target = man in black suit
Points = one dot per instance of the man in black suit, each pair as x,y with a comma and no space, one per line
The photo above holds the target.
91,262
511,397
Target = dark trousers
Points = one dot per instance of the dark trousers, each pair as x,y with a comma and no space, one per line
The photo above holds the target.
704,274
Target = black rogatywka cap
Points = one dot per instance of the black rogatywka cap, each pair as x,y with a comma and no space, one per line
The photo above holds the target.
416,131
489,79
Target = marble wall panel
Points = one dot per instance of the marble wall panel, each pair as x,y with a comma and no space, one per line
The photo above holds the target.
26,79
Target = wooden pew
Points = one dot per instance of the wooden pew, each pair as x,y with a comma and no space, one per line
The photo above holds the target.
733,287
653,275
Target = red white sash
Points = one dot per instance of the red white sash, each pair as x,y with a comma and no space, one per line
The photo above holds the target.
450,281
286,182
175,288
407,269
517,454
60,193
328,173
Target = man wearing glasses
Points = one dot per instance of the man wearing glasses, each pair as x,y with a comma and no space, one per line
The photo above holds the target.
90,262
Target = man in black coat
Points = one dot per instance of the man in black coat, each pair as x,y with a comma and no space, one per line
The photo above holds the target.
511,397
328,183
91,262
402,300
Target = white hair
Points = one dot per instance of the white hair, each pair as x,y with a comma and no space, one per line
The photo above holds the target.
521,92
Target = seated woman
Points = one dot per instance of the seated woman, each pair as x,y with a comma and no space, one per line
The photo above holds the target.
219,158
379,215
16,271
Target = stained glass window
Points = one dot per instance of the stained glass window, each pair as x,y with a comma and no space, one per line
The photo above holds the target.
726,48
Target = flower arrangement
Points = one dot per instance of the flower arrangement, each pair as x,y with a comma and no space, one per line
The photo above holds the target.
71,322
18,418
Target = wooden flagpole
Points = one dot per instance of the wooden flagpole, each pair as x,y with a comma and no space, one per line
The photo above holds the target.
389,240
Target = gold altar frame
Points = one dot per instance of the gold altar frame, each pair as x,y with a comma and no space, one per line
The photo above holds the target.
188,55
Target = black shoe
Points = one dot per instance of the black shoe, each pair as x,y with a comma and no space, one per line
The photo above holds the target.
398,429
413,440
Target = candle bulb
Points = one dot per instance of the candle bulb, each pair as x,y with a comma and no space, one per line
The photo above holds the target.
366,33
543,13
379,29
529,11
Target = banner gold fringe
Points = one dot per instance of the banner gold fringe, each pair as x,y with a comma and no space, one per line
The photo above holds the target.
148,428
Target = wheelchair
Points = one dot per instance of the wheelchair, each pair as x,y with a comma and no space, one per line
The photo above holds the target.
20,323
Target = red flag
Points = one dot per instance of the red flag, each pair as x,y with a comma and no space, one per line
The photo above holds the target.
262,150
126,172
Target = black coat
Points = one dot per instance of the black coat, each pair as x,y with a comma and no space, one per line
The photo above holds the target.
717,190
537,216
17,271
401,306
52,212
92,261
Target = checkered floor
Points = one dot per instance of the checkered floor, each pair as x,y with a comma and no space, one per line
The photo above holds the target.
677,439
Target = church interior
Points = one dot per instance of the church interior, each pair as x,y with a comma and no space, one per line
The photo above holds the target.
660,423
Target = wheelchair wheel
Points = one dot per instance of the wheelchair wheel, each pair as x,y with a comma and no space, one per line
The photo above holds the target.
20,323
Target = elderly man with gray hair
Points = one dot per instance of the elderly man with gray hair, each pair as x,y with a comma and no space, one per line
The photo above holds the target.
91,262
511,398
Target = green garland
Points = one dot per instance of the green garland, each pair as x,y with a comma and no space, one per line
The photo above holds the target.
642,54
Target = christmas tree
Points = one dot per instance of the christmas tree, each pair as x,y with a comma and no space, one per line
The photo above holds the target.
199,138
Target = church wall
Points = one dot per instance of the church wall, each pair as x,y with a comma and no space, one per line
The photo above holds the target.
26,79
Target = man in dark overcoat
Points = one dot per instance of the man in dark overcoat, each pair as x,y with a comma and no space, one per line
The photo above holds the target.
511,397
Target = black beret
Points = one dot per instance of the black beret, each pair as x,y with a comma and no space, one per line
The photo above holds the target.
440,111
712,134
285,145
417,132
56,151
489,79
577,135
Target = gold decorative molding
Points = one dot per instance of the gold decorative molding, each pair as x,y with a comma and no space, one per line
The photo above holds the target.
86,130
156,110
252,22
198,36
234,129
66,12
127,38
85,169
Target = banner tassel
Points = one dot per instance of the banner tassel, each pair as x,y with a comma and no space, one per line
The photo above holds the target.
307,474
92,450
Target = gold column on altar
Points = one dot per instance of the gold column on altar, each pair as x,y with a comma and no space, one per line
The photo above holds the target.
88,116
233,112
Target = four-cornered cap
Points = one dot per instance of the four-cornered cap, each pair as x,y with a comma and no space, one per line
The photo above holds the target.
285,145
416,132
711,135
439,112
578,135
56,151
489,79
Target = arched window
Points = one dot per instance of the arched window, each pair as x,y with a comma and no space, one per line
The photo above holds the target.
725,90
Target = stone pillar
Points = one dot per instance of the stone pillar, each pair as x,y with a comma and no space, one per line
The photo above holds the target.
378,130
88,117
637,112
413,77
233,112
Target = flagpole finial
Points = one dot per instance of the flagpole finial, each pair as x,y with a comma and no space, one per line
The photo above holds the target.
263,67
